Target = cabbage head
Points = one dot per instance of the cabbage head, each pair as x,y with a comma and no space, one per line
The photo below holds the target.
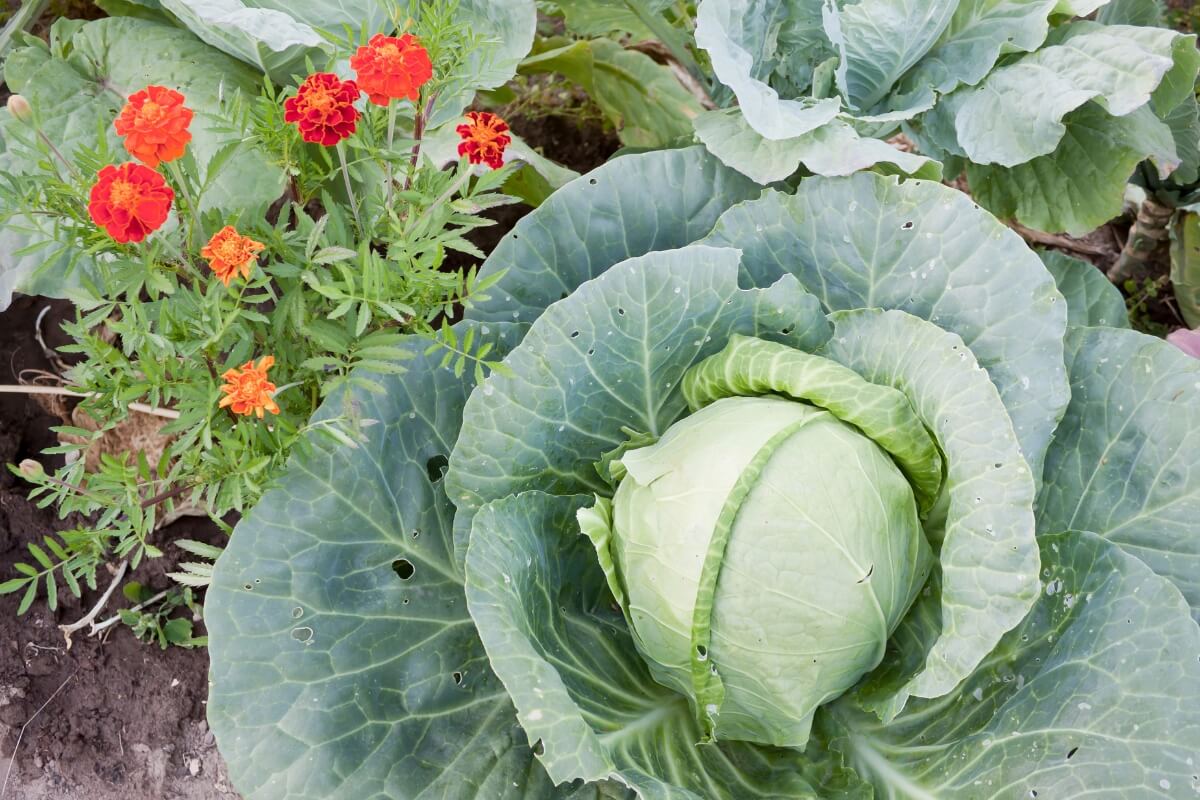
835,492
765,551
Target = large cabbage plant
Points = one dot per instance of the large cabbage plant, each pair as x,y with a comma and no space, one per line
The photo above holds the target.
839,493
1049,113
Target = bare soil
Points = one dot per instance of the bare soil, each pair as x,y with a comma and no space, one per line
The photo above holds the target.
110,718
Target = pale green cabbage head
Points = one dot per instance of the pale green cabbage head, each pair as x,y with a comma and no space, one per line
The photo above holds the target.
784,531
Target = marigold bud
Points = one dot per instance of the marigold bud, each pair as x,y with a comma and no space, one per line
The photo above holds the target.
19,107
30,469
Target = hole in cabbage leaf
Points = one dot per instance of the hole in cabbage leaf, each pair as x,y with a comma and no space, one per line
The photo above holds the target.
403,568
592,181
574,334
591,351
870,571
539,749
908,226
457,678
1072,752
701,652
620,311
436,467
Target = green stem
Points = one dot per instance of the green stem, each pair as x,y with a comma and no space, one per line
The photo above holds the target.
341,151
446,195
194,212
391,135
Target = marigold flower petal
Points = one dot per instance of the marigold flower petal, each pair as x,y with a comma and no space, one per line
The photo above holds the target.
130,201
323,108
484,138
229,254
154,124
247,390
391,68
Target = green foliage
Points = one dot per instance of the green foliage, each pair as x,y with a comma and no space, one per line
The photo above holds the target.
1049,113
354,265
151,618
434,570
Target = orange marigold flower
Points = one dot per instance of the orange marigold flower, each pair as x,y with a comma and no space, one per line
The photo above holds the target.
228,253
247,390
155,123
484,138
390,68
323,108
130,201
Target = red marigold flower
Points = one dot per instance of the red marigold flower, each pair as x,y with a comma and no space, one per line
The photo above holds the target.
155,123
390,68
323,108
130,201
484,138
228,253
247,390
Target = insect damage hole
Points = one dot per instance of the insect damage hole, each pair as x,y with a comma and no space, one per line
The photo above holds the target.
458,678
436,467
403,568
1072,752
867,577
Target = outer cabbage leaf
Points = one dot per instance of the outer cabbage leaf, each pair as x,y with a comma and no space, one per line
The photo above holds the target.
741,36
53,268
600,219
1079,186
1119,67
270,35
872,242
507,28
78,94
879,40
1126,460
644,100
608,359
988,559
832,149
595,18
1133,12
344,662
1091,297
1095,692
979,32
542,606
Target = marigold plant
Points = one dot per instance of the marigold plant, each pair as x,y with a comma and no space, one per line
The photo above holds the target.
130,201
229,253
484,139
247,390
154,124
323,109
391,68
330,263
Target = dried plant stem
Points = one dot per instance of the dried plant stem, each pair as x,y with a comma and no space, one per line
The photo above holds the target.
167,413
115,618
87,618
